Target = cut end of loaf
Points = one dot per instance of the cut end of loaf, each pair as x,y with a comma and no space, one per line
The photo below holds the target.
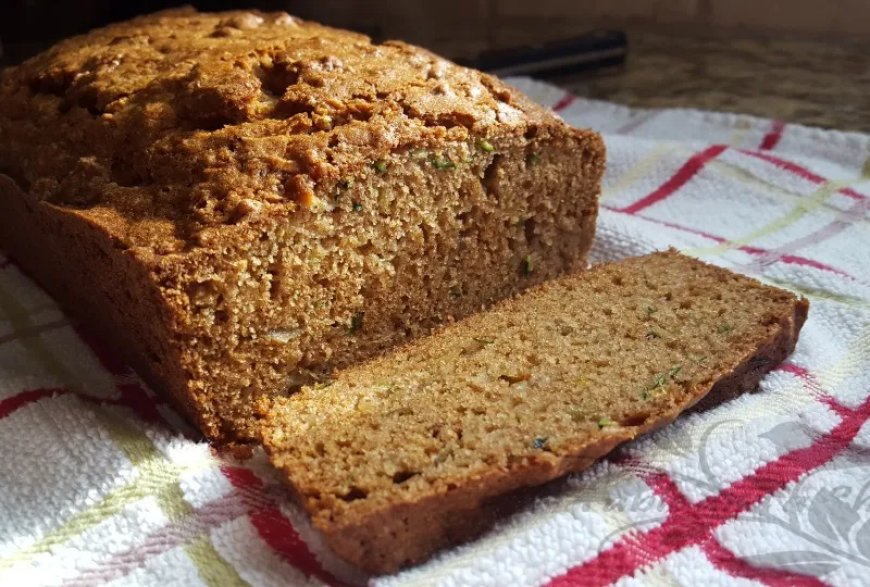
399,457
384,257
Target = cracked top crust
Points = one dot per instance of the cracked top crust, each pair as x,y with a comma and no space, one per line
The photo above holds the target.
161,126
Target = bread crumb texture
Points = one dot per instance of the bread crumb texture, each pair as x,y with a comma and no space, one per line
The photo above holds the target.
398,457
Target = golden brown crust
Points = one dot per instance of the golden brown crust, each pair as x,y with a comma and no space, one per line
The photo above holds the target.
269,199
587,362
162,126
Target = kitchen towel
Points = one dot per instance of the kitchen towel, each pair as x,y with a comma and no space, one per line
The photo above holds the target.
101,482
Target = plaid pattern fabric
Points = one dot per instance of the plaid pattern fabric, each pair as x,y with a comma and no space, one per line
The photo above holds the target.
99,483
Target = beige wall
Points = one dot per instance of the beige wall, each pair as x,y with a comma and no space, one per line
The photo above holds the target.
464,27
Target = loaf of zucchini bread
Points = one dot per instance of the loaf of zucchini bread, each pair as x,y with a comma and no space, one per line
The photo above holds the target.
241,202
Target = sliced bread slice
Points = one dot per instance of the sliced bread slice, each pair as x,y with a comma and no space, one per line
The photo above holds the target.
400,457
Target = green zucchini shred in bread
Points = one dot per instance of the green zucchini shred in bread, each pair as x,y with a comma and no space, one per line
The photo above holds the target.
399,457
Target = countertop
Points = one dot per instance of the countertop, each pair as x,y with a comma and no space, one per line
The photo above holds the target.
816,83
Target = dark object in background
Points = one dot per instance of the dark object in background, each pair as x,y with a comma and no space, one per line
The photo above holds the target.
591,51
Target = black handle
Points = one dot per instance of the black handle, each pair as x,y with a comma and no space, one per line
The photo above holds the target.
590,51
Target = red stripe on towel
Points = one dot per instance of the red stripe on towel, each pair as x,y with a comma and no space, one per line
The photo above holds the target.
695,524
771,139
724,560
800,171
19,400
720,557
277,531
788,259
564,102
689,169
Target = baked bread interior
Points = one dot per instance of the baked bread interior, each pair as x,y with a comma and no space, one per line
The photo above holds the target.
403,455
